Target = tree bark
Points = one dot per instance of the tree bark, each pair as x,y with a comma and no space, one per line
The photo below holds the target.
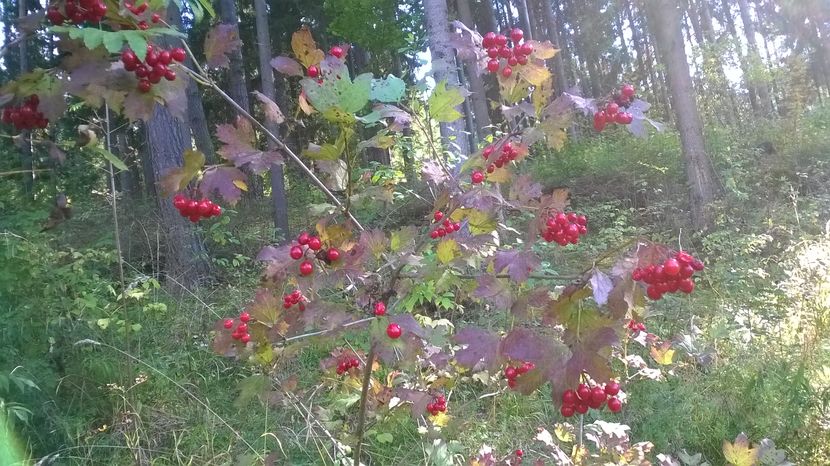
237,85
444,68
559,74
524,17
478,96
754,56
703,186
278,198
486,16
25,146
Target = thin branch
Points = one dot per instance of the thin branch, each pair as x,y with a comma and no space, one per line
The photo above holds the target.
364,392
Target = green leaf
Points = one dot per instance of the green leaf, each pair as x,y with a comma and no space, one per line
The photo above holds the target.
443,101
249,388
390,89
137,42
92,37
111,158
113,41
385,437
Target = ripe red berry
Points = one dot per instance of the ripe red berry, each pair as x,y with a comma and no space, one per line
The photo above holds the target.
314,243
144,86
313,71
296,252
434,234
243,328
55,17
612,388
599,121
519,453
394,331
488,40
178,54
507,71
653,292
477,177
380,308
598,395
245,339
493,66
510,372
697,265
567,410
686,285
612,108
583,392
170,75
303,238
569,397
671,267
306,268
525,49
333,254
624,118
513,61
337,51
155,18
627,90
516,35
614,405
228,323
438,215
500,40
522,59
582,408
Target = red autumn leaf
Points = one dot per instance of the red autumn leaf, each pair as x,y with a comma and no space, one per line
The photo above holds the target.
220,41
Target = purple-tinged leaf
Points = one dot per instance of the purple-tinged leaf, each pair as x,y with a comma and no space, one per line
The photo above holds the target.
400,118
288,66
374,241
270,108
273,253
434,173
419,400
601,286
494,291
228,182
522,109
220,41
480,347
466,42
524,189
519,263
409,325
587,106
238,147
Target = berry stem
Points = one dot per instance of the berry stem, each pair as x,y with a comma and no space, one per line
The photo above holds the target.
364,391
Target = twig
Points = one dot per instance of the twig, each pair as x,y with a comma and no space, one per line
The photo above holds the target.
364,392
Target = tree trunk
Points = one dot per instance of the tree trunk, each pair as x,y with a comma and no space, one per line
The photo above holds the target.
486,16
754,56
559,74
237,87
665,19
524,17
25,145
278,199
478,96
444,68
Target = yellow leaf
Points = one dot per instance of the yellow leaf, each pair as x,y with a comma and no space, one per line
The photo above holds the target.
304,105
663,354
740,453
240,184
447,249
543,50
541,95
478,221
500,175
305,49
178,178
533,73
333,235
564,433
440,419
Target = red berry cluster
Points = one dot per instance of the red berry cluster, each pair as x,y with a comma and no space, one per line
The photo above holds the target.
497,48
196,210
565,228
76,12
511,373
635,326
508,154
241,331
446,228
437,405
25,116
294,298
584,397
380,309
394,331
673,275
154,67
347,363
298,252
614,111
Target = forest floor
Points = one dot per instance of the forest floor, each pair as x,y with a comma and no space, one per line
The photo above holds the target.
756,329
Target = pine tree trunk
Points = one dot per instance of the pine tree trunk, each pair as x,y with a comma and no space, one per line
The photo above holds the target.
478,96
278,198
237,87
754,55
703,186
486,16
524,17
25,145
444,69
559,73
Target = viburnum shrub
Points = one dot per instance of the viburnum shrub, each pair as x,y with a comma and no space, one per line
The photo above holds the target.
323,284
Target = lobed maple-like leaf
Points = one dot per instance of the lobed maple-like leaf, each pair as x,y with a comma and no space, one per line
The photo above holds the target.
434,173
519,263
601,286
389,89
305,48
493,290
399,118
443,102
287,66
177,179
238,147
270,108
419,400
479,347
227,182
524,189
220,42
739,452
336,89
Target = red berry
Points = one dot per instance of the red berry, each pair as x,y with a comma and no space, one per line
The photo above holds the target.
582,408
510,372
511,383
165,58
296,252
477,177
493,66
512,61
314,243
337,51
654,292
333,254
516,35
507,71
144,86
599,121
380,308
438,215
245,339
488,40
569,397
697,265
303,238
567,410
686,285
143,25
627,90
525,49
306,268
583,392
313,71
522,59
671,267
155,18
178,54
228,323
55,17
500,40
493,52
612,388
612,108
598,395
434,234
614,405
243,328
394,331
519,453
624,118
170,75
